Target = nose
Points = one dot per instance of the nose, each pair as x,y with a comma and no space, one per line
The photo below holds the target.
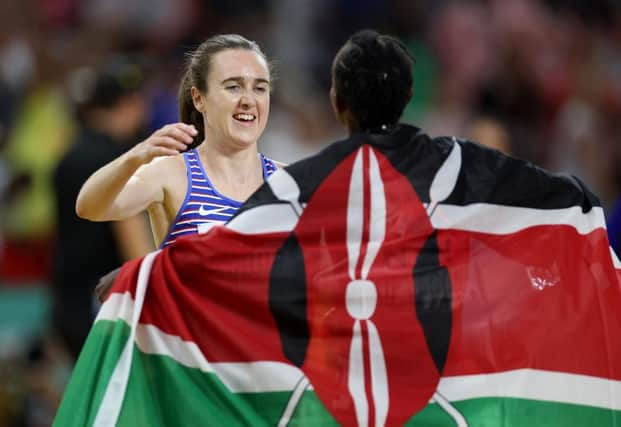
247,100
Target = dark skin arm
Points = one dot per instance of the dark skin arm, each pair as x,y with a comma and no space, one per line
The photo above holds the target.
105,284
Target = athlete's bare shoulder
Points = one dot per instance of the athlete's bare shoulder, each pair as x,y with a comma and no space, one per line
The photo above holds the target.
162,167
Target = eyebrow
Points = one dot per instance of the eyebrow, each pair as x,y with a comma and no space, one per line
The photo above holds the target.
240,79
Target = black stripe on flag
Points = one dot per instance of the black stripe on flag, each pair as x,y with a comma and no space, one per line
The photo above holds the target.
433,299
288,301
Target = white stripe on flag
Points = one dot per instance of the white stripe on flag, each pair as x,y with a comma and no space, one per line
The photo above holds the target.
355,214
272,218
615,259
499,219
445,179
258,377
110,408
274,376
239,377
535,385
117,306
293,402
457,416
285,188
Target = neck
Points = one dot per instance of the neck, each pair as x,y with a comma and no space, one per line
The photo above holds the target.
348,120
232,165
352,128
236,174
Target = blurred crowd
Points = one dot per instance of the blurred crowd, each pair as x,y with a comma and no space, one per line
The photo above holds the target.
539,79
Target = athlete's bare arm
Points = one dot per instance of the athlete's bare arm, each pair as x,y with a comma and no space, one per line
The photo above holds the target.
127,185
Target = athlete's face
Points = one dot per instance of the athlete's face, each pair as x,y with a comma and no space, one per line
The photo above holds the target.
237,103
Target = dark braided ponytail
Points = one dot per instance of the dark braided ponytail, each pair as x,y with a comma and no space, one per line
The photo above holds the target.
372,76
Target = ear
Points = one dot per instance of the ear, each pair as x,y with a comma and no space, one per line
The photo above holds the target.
337,105
197,98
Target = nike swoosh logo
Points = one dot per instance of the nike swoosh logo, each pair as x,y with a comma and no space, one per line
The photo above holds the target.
202,211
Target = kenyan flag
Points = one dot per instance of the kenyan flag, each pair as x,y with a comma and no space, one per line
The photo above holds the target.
389,280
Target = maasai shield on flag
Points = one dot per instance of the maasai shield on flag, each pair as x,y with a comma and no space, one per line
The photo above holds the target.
389,280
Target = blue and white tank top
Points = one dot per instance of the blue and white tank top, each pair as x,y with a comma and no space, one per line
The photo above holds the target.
204,206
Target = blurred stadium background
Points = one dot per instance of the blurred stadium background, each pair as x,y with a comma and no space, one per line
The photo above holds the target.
540,79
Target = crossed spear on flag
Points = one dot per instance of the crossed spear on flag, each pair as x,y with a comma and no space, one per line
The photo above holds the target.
365,234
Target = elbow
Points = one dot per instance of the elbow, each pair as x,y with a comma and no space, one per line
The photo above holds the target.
82,210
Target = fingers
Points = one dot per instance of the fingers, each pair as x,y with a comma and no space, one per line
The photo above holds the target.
179,131
163,151
101,290
169,140
105,284
169,143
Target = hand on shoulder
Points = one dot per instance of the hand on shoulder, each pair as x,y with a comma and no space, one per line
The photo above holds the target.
169,140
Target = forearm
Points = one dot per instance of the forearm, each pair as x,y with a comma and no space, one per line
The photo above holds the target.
109,194
96,200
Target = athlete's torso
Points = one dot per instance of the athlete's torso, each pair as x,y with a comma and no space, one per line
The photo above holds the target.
203,206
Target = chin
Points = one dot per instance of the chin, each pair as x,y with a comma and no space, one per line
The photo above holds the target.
245,140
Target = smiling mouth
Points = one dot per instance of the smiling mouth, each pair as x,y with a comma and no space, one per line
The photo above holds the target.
244,117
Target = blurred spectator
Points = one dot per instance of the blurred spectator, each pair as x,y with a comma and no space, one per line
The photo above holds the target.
162,88
614,227
461,42
614,217
161,23
38,135
111,112
292,132
491,133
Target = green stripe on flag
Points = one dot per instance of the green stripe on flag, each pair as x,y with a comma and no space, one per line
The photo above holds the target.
509,412
101,354
163,392
311,412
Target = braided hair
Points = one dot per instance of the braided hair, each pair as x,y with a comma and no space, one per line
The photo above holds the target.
372,77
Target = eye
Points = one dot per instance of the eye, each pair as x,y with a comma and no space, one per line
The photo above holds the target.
261,89
233,87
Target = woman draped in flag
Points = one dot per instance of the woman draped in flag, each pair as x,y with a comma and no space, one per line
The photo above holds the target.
392,279
196,173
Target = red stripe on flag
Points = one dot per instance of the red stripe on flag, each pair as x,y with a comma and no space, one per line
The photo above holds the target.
542,298
366,352
126,279
210,291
